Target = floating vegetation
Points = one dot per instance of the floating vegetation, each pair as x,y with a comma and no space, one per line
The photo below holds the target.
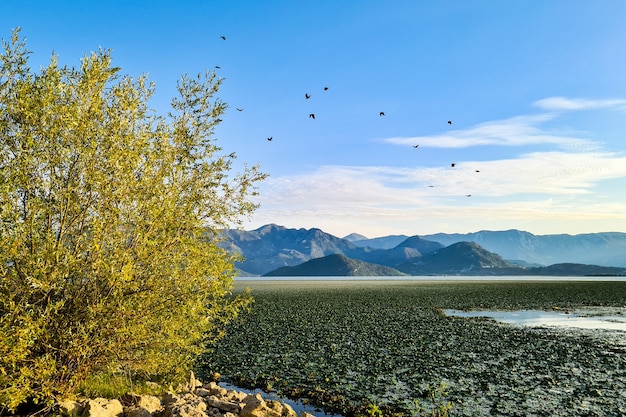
348,347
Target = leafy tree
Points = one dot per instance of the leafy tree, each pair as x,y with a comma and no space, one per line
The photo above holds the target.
109,225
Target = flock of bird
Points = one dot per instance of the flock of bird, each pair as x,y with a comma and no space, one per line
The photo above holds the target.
307,96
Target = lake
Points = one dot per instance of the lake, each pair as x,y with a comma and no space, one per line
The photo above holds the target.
440,278
342,342
540,318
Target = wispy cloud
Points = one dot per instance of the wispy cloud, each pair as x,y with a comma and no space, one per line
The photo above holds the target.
564,103
520,130
548,186
548,189
516,131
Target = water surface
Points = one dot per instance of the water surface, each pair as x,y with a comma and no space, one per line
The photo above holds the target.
540,318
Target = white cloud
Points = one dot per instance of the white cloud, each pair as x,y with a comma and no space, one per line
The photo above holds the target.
537,187
552,191
519,130
563,103
516,131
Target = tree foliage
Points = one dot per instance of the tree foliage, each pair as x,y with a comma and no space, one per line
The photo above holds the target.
109,225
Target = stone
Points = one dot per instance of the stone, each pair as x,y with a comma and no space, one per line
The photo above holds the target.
137,412
217,390
288,411
222,405
188,410
236,396
255,406
102,407
202,392
70,408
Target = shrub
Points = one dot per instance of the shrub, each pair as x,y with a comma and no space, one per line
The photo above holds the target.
109,225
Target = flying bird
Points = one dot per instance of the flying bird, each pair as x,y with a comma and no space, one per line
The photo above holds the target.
325,88
452,165
217,67
477,171
223,38
416,146
307,96
270,138
238,109
468,195
449,122
382,113
312,116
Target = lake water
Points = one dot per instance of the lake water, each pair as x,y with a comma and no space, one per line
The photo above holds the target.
441,278
298,406
539,318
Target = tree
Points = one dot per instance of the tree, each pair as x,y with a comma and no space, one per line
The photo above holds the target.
110,219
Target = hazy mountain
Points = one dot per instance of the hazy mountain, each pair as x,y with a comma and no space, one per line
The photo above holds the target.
607,249
409,248
335,265
458,258
385,242
355,237
272,246
569,269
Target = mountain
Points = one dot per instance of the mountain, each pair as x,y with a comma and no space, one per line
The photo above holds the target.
272,246
409,248
385,242
355,237
335,265
607,249
463,258
570,269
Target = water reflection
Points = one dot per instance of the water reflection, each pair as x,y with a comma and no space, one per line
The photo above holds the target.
298,406
539,318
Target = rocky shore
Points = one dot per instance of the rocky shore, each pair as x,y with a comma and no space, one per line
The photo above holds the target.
195,399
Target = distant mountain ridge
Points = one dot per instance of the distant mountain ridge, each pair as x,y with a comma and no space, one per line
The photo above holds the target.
606,248
271,247
458,258
335,265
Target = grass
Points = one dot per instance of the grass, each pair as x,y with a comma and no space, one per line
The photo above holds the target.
347,345
115,385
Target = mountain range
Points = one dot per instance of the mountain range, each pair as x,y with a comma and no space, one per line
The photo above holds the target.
274,250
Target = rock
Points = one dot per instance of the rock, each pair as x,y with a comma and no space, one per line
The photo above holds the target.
143,406
188,410
202,392
222,405
205,401
102,407
137,412
169,398
288,411
217,390
255,406
192,384
150,403
70,408
236,396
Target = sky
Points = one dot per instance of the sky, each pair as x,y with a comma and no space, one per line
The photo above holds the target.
527,98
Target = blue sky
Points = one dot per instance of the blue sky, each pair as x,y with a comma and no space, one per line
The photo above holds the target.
535,90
